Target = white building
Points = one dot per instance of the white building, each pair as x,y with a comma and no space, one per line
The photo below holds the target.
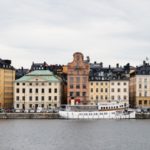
119,90
40,88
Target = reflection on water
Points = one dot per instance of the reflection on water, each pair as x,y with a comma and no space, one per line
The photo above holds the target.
74,134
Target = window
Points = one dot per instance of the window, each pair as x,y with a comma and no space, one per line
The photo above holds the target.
101,90
125,90
91,83
17,83
30,105
140,86
78,86
106,98
145,86
50,90
106,90
55,90
23,90
96,83
140,94
119,97
145,93
30,98
112,83
17,90
71,80
77,93
49,98
42,105
55,97
23,98
78,79
124,83
84,86
84,80
96,97
112,90
112,97
17,98
50,84
36,98
71,86
125,97
42,90
71,94
84,93
42,83
106,83
23,83
17,105
30,90
145,102
96,89
101,83
91,90
140,102
30,83
118,83
118,90
101,97
42,98
36,91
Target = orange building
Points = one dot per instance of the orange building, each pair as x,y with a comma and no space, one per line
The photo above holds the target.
78,78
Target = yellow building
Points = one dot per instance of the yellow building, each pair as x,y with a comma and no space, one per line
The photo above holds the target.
99,91
7,77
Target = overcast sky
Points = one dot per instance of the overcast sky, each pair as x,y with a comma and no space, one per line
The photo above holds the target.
111,31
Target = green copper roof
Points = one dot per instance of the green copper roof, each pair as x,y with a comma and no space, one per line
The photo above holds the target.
40,73
44,75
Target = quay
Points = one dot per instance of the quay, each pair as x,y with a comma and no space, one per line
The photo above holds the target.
29,116
51,116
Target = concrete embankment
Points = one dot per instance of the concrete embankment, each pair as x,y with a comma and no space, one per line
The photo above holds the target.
143,116
29,116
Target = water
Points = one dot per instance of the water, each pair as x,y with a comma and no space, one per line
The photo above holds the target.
74,134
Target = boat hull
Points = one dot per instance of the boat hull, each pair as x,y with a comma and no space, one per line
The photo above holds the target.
97,115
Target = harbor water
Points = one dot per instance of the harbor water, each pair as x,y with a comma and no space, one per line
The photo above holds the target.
48,134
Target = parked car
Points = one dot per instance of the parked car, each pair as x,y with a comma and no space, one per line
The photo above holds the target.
39,109
138,110
1,110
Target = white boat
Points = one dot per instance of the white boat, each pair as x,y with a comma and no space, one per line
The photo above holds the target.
111,110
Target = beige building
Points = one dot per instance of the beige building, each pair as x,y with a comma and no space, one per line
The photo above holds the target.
7,77
140,87
40,88
104,91
108,84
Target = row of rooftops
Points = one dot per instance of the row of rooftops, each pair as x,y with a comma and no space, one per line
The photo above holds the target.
5,63
97,70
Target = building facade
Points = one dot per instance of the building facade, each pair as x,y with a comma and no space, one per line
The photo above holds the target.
39,88
7,77
140,86
107,84
78,80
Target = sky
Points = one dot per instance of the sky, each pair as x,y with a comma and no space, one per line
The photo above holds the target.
109,31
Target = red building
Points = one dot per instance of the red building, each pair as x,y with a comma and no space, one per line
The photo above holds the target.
78,77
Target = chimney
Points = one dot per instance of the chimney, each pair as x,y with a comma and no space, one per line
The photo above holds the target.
117,65
101,64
